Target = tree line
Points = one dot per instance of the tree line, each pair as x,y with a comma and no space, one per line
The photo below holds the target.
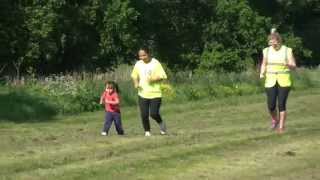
51,36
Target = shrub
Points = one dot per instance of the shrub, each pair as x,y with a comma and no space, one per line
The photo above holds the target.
69,94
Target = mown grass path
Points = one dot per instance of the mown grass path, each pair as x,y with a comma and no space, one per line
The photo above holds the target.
223,139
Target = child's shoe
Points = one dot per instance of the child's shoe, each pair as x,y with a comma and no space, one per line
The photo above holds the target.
147,134
104,133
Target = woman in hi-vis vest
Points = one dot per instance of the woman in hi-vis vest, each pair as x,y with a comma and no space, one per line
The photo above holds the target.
277,62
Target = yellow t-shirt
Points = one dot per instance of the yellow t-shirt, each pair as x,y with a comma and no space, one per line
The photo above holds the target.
143,72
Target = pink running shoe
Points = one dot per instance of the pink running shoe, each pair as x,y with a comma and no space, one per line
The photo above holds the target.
274,124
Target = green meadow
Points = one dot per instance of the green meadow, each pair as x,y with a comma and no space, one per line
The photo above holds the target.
227,138
56,56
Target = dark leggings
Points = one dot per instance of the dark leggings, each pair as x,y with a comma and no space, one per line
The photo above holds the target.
151,106
116,117
277,93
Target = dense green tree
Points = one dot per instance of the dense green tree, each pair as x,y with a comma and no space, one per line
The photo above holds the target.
118,32
234,37
14,35
173,29
295,18
222,35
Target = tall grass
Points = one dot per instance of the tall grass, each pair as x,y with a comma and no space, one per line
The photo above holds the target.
80,92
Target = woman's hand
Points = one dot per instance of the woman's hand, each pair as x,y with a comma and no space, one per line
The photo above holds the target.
153,79
291,61
136,83
137,86
291,66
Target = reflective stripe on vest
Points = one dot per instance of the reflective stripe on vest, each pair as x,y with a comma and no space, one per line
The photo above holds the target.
277,72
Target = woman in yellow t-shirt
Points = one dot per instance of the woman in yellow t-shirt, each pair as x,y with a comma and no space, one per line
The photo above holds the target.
147,75
277,62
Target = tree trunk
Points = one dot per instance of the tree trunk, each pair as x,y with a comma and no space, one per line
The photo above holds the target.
17,65
3,67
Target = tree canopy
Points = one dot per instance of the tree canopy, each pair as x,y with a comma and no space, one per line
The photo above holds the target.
50,36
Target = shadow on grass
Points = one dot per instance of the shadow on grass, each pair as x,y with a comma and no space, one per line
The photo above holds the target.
19,106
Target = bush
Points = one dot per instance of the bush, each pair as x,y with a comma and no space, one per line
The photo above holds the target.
302,79
68,94
168,92
19,105
219,59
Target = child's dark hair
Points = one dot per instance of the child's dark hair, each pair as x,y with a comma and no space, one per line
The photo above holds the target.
114,85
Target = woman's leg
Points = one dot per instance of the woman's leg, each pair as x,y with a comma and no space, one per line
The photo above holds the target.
272,94
282,102
155,113
144,112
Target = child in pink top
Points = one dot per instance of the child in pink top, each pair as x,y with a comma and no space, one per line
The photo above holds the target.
110,99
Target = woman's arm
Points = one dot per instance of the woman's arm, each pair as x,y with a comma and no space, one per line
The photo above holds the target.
154,79
158,75
263,66
135,76
135,82
291,60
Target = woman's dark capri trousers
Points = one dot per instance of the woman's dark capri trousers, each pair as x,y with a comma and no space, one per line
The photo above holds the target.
152,107
277,93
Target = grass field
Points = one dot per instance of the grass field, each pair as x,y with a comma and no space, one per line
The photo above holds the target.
223,139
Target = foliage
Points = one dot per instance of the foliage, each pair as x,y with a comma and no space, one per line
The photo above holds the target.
69,93
220,59
118,32
234,37
56,36
20,105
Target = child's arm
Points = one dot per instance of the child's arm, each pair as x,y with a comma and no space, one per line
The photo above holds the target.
115,101
102,98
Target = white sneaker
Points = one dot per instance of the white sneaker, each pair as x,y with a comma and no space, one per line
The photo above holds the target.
147,133
163,133
103,133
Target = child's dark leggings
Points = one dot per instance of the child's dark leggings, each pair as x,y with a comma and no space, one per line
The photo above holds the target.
116,117
151,106
277,93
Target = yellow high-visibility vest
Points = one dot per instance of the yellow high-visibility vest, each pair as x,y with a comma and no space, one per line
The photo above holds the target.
276,67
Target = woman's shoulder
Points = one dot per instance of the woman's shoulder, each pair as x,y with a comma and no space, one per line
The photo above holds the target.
139,63
156,61
266,49
286,47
